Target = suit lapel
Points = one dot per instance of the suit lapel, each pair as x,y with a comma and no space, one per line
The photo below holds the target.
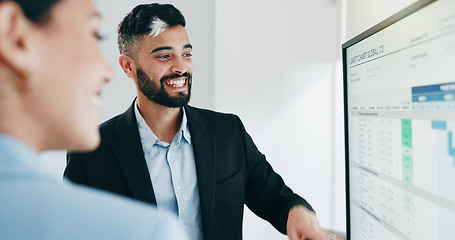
130,156
203,139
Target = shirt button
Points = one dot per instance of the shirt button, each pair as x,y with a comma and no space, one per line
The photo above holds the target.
178,187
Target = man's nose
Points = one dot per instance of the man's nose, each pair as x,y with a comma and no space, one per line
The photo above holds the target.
180,65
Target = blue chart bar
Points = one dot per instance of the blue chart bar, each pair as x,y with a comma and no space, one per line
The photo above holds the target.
451,149
438,97
442,125
438,92
439,125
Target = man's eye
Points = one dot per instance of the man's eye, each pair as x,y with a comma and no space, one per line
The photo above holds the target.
163,56
188,55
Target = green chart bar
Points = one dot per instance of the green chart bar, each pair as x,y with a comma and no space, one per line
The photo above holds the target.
406,141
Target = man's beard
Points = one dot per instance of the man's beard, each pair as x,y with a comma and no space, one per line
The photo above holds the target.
158,94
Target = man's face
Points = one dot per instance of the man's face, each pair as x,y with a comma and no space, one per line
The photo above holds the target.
164,68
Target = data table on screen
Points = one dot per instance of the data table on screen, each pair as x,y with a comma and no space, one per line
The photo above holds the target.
401,128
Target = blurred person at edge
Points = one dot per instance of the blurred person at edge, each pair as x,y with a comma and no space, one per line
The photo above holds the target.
51,75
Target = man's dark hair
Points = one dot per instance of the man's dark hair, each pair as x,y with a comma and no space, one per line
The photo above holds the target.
36,10
139,23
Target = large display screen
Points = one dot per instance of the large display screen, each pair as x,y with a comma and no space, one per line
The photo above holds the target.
399,86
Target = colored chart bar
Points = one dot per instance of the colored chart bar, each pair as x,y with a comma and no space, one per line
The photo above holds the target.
406,140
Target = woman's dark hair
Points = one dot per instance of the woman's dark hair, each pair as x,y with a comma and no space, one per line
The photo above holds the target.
36,10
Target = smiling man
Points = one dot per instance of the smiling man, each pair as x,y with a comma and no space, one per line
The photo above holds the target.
199,164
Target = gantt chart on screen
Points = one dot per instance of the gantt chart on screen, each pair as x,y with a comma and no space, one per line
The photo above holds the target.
401,119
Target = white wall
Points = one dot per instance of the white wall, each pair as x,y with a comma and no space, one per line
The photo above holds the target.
363,14
277,65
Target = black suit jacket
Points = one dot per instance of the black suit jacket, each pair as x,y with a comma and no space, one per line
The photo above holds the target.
231,171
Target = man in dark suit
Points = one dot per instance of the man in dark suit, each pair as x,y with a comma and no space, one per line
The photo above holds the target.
200,164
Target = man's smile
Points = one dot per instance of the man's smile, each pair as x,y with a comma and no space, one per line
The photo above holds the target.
176,82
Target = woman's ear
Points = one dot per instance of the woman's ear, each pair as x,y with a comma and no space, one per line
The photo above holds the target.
14,26
128,65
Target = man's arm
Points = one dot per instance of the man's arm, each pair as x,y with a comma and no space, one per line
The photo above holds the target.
269,197
266,194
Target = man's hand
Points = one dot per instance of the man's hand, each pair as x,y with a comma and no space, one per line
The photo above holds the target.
302,224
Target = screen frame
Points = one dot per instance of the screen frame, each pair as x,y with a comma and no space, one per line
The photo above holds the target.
371,31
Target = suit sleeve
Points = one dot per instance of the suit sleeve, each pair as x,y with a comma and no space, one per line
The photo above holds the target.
265,192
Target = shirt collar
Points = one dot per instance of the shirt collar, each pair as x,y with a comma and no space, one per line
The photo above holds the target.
148,138
184,127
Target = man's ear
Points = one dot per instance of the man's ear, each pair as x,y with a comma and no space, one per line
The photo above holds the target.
13,44
128,65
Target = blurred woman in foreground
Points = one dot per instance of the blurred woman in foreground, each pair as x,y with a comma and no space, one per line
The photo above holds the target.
51,76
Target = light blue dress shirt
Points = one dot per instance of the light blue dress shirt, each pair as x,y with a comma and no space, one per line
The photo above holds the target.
172,169
36,205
